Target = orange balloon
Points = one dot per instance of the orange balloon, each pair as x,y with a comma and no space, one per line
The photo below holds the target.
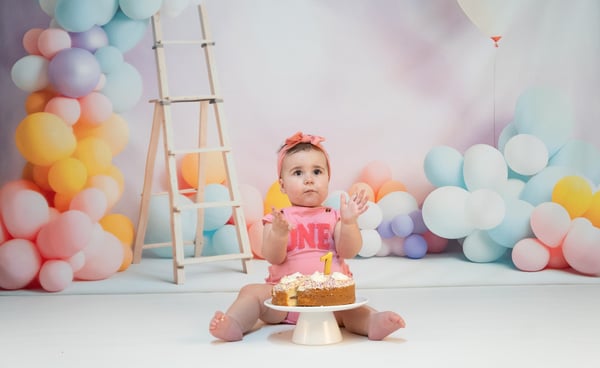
388,187
358,186
36,101
127,258
214,170
114,131
120,226
62,201
375,173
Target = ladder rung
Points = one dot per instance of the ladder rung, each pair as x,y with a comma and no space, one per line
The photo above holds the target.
199,150
207,205
184,42
168,100
221,257
163,244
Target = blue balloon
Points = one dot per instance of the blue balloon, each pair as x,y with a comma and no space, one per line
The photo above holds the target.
123,87
225,241
515,225
110,58
538,189
415,246
215,217
581,156
444,167
123,32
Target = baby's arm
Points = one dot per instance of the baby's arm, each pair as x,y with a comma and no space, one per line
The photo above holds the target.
275,239
348,239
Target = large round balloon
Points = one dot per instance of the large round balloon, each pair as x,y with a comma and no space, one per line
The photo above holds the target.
74,72
30,73
444,212
444,167
44,138
484,168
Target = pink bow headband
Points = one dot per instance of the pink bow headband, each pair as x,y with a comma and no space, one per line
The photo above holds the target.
296,139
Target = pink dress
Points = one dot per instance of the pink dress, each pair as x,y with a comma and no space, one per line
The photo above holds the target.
310,238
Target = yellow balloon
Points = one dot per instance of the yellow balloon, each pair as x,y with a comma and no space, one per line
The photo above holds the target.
95,154
593,213
214,170
275,198
120,226
67,176
574,193
44,138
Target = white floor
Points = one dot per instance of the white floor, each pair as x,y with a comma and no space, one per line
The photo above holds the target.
459,314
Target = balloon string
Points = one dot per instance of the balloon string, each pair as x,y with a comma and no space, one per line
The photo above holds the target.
494,96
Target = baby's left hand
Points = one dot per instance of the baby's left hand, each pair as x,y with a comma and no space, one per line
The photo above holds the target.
351,208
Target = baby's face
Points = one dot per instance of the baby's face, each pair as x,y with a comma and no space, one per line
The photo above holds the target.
305,178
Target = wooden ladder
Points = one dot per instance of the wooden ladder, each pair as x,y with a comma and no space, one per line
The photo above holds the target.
162,123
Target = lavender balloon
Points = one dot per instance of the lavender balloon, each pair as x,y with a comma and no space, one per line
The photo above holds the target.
74,72
90,40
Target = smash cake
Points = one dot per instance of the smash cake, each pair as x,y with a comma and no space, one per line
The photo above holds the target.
314,290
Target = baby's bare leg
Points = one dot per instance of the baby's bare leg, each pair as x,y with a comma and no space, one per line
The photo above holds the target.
366,321
243,314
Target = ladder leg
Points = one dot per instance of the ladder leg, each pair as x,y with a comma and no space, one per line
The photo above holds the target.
203,123
147,188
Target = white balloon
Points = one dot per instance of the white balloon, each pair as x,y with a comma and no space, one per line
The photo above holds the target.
397,203
526,154
485,209
371,243
444,212
484,168
492,17
371,218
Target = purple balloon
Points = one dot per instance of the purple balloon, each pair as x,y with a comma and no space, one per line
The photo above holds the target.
90,40
415,246
385,230
74,72
402,225
419,224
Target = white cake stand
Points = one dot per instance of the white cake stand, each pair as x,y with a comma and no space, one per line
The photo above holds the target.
317,325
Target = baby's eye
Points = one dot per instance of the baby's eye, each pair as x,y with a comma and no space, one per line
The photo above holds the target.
317,171
297,172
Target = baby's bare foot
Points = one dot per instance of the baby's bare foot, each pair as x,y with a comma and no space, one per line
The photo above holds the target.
384,323
225,328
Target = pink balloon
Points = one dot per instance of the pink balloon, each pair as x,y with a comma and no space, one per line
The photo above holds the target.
557,259
66,235
252,203
435,243
550,223
4,235
529,254
30,41
375,173
77,261
255,233
103,256
92,201
95,108
19,263
581,247
9,189
24,213
53,40
66,108
55,275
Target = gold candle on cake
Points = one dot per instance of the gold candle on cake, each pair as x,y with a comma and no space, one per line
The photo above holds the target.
327,259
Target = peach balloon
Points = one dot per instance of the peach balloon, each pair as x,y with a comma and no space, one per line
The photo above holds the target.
66,235
252,203
95,108
214,168
30,41
24,213
4,235
10,188
375,173
53,40
114,131
95,154
581,247
91,201
55,275
44,138
388,187
550,222
358,186
103,256
77,261
67,176
67,108
557,259
108,185
435,243
120,226
62,202
529,254
19,263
